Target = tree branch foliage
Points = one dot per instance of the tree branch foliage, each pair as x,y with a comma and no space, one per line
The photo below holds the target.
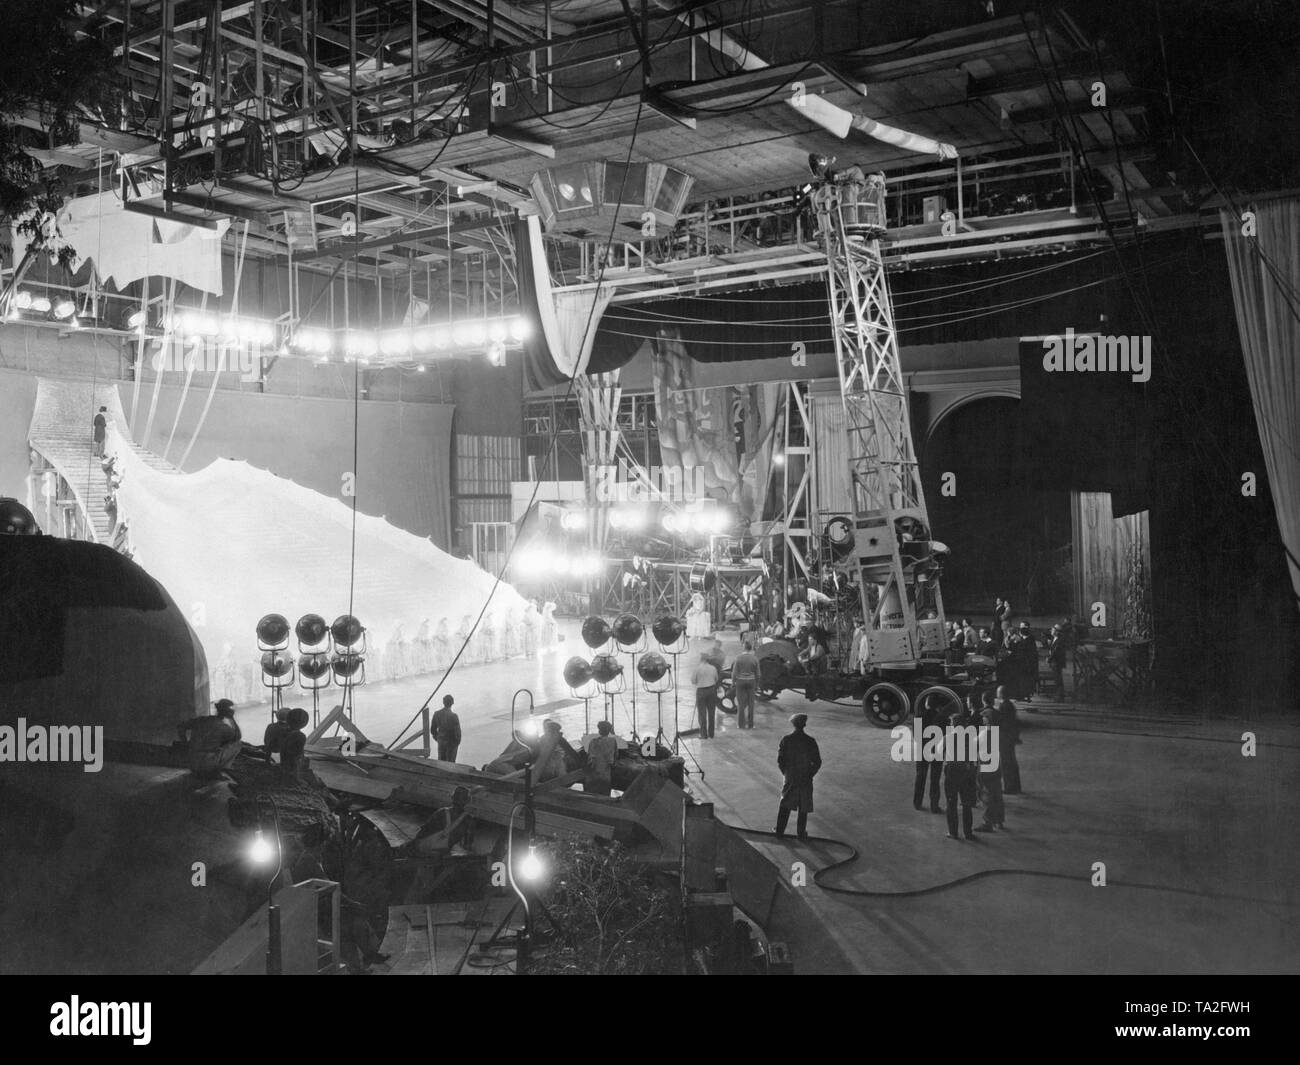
60,75
617,919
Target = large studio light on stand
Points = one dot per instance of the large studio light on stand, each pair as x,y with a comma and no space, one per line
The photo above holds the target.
596,633
607,671
349,658
313,659
577,675
670,634
629,634
656,677
277,667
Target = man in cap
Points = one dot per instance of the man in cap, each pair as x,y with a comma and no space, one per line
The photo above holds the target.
215,740
601,755
929,714
445,727
799,759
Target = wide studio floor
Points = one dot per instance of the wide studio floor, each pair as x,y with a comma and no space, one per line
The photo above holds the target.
1198,841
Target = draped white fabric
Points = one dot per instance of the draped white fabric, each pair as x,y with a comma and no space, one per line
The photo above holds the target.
1265,273
568,319
832,450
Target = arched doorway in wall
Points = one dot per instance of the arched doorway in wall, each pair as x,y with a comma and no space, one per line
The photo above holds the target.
1009,538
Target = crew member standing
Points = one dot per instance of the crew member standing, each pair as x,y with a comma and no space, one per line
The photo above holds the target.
705,680
960,766
100,431
1008,738
744,672
798,758
445,727
930,715
990,780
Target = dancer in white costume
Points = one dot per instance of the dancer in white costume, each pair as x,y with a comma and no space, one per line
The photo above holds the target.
442,648
395,661
514,640
471,652
487,638
532,625
698,622
550,628
423,649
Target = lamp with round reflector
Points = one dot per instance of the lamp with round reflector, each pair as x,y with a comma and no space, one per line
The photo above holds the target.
312,632
607,671
16,519
273,632
595,632
668,630
349,669
348,632
313,675
277,669
577,675
652,668
629,632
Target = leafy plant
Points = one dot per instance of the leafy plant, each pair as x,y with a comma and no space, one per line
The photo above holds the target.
614,917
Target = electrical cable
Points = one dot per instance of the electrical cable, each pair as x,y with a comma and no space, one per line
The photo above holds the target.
636,125
948,885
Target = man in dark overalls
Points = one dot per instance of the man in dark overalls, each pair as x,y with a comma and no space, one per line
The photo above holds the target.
798,758
929,714
960,766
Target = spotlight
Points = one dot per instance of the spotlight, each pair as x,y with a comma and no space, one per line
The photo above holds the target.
605,669
349,669
573,520
346,630
314,668
627,630
311,631
40,304
272,632
778,459
577,672
23,301
64,309
595,632
497,331
651,667
135,319
668,629
531,866
672,523
277,669
520,328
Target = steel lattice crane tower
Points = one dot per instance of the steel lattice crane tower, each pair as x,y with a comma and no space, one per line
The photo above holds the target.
897,563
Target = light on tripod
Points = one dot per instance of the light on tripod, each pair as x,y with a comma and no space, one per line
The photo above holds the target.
311,631
277,669
668,630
